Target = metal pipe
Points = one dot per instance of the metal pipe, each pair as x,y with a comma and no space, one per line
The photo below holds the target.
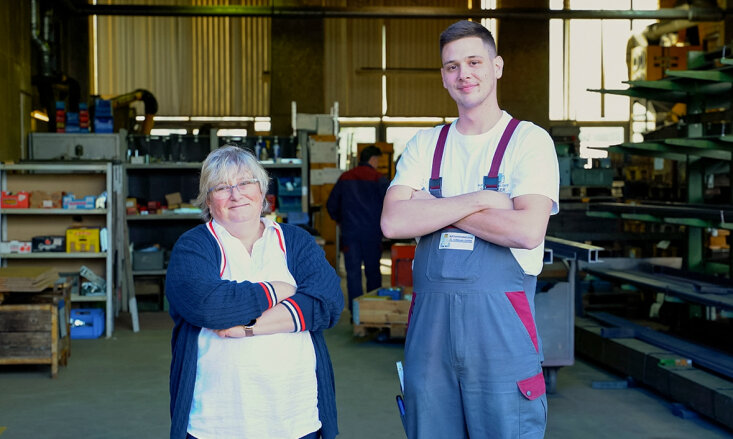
43,45
692,14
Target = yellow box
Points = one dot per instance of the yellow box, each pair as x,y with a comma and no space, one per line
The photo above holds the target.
82,240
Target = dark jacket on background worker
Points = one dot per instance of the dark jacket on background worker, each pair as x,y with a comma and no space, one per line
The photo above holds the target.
355,204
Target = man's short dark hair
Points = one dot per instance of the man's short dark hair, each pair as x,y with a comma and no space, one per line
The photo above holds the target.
369,152
464,29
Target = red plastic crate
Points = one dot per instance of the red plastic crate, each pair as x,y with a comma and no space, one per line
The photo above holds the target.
402,256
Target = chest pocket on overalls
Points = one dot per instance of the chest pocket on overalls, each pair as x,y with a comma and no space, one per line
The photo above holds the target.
453,256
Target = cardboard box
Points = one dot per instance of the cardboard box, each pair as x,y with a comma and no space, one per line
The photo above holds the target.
82,240
174,200
18,200
46,200
85,203
15,247
323,149
650,62
48,244
331,254
325,225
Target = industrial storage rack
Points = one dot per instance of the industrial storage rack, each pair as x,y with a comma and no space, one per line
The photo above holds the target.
702,90
62,217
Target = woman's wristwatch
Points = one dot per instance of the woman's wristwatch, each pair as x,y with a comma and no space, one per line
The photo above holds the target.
249,328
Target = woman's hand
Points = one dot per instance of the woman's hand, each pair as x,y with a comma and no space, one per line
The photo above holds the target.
234,332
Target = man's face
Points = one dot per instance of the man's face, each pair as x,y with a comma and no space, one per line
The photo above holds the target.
470,72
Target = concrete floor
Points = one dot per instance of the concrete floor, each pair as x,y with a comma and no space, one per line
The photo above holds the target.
117,388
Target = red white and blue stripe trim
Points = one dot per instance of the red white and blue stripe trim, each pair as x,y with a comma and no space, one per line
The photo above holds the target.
296,313
292,306
270,292
210,226
280,239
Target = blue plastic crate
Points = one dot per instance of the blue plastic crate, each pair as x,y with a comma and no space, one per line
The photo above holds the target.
87,323
289,186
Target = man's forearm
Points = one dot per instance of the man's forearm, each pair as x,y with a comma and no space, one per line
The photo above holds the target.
408,213
410,218
523,227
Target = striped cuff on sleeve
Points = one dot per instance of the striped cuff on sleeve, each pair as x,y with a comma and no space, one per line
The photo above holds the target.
270,292
296,313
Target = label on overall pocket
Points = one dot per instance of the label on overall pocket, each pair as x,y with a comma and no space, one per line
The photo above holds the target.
456,241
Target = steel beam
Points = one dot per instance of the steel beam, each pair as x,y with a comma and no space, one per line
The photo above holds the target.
717,361
692,14
572,250
722,214
687,289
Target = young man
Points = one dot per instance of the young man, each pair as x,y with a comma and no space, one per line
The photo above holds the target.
355,203
478,193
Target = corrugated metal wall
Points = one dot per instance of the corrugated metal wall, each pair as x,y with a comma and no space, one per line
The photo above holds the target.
219,66
414,44
353,45
195,66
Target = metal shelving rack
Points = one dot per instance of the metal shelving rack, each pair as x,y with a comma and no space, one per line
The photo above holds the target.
701,90
8,170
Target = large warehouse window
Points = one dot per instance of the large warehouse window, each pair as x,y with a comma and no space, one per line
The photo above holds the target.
591,54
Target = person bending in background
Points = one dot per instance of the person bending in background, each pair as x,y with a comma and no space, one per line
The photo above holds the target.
249,298
479,193
355,203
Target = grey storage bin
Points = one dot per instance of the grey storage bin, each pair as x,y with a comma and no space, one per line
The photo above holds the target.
143,261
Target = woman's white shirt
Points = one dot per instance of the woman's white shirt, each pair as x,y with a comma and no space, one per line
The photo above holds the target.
255,387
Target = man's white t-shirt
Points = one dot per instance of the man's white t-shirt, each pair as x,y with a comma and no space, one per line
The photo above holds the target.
529,167
263,386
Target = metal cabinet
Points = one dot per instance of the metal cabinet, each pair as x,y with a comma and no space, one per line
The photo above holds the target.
55,146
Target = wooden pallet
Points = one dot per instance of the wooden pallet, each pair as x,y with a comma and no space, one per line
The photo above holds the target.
373,313
395,330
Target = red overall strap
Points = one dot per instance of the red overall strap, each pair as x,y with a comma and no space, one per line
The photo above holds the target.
491,182
434,185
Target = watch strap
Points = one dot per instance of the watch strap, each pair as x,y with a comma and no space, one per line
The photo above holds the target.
249,328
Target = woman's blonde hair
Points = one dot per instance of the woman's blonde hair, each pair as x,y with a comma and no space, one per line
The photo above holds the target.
221,166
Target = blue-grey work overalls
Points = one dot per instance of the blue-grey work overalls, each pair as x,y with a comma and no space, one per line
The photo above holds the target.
472,354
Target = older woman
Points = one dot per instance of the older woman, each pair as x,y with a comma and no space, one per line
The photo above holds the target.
250,299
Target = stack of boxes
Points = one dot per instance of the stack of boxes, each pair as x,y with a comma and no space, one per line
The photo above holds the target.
324,173
103,122
76,239
60,117
83,118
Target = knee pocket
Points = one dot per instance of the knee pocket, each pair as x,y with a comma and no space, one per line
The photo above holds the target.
532,407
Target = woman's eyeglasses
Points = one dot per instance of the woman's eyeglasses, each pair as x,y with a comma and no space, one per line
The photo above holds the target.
224,191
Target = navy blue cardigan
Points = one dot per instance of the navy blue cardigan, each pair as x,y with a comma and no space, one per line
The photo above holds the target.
199,298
